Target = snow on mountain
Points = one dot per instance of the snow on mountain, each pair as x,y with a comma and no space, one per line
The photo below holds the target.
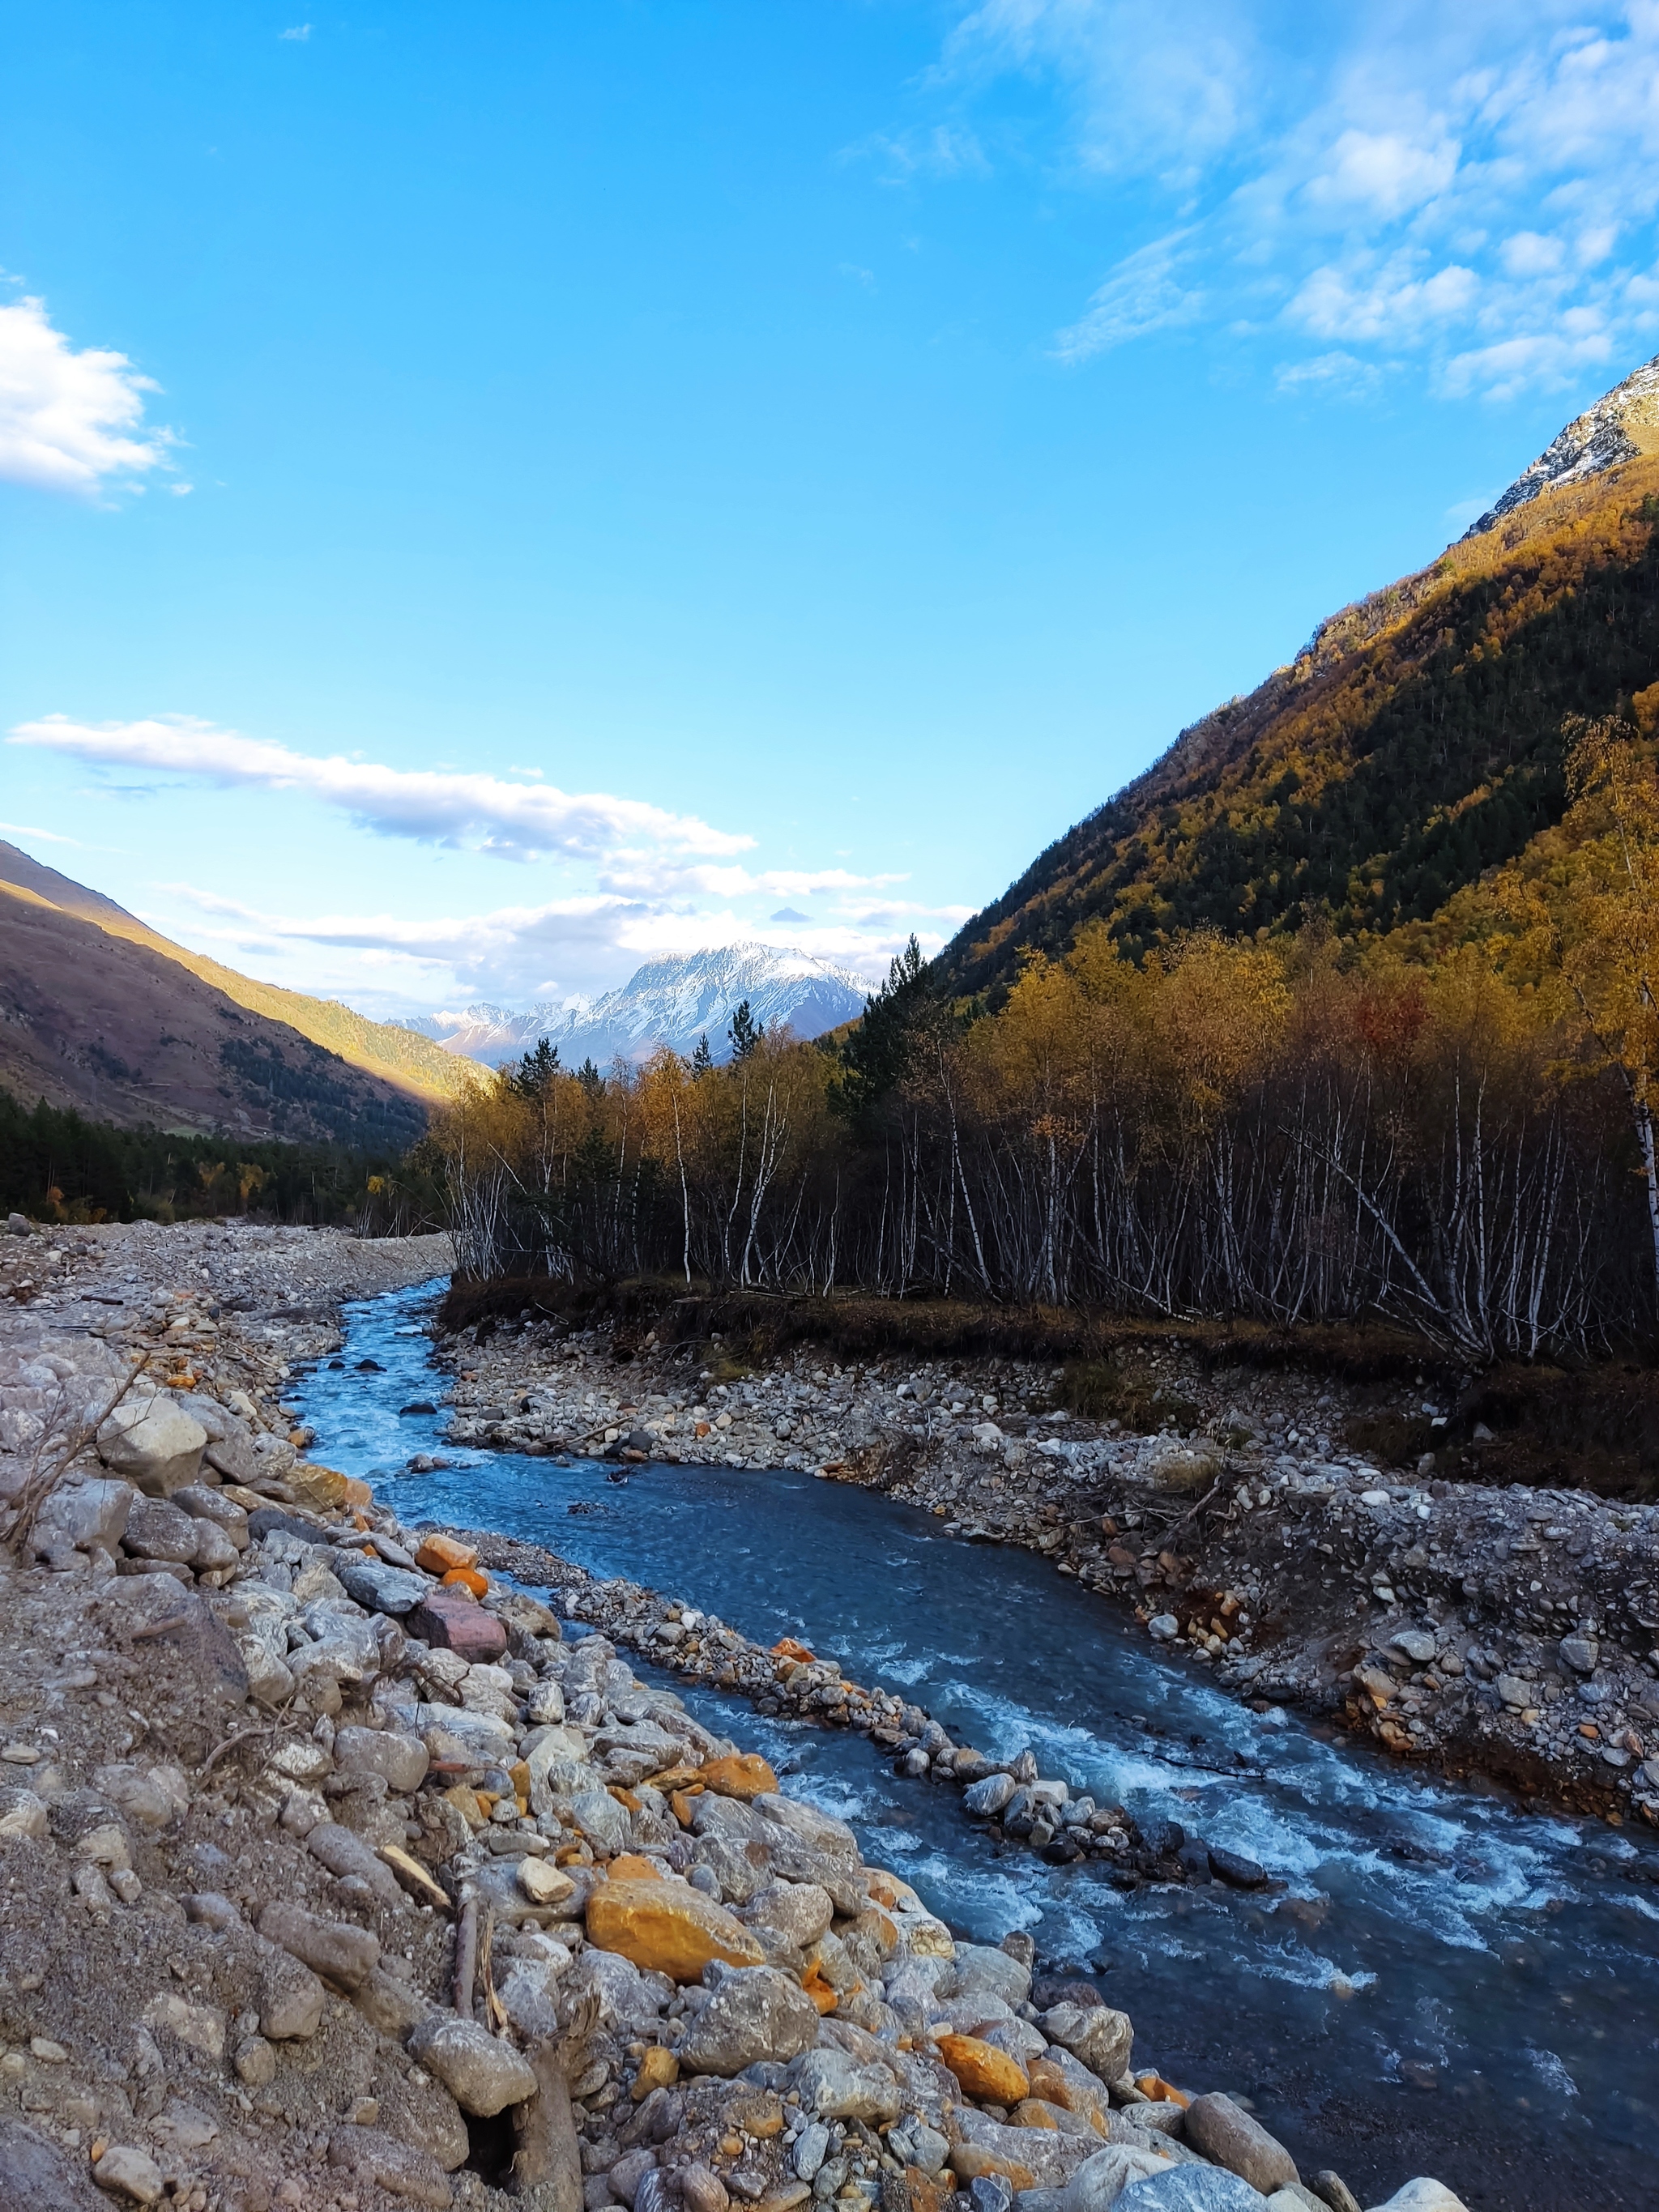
1623,423
673,1001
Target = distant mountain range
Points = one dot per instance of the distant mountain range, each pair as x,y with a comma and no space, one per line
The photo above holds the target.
674,1001
100,1012
1413,744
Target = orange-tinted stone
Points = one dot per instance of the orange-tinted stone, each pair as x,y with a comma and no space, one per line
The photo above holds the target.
1032,2112
466,1578
668,1928
680,1804
969,2163
630,1867
985,2072
438,1555
659,2069
743,1774
787,1648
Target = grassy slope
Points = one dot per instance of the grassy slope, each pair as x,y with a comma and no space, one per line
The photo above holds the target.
1416,744
413,1063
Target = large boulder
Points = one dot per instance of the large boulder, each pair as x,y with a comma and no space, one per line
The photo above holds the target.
1193,2188
832,2086
790,1913
1100,2181
401,1760
755,2014
981,1967
667,1927
156,1530
1097,2034
1225,2133
157,1448
379,1587
1423,2195
91,1515
484,2074
454,1622
987,2074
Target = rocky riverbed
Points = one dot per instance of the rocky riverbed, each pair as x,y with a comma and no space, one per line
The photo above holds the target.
1508,1631
338,1874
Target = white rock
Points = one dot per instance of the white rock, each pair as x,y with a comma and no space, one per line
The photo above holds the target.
1423,2195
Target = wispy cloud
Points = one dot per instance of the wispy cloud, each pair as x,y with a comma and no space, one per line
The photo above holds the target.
1472,191
298,31
71,421
514,821
1142,294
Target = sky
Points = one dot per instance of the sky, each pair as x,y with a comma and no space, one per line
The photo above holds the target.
489,496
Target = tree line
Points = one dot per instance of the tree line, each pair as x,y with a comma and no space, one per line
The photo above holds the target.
1451,1127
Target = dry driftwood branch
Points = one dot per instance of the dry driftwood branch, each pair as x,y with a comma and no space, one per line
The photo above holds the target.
466,1957
547,2166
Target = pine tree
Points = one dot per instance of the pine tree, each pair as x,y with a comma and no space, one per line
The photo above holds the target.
590,1078
701,1060
533,1076
746,1032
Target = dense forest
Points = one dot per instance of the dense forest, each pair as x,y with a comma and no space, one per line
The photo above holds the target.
58,1166
1416,744
1300,1127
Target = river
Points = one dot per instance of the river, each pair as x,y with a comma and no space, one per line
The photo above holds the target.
1445,1985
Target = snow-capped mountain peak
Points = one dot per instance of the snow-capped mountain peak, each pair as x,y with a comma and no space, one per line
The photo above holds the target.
675,1000
1623,423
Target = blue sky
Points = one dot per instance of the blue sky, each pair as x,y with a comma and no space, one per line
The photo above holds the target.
491,496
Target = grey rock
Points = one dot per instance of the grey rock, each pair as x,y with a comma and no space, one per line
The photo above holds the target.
401,1761
339,1952
626,2175
981,1967
1417,1644
833,2087
794,1913
1581,1653
1227,2135
1100,2181
256,2062
484,2076
35,2176
91,1515
379,1587
156,1530
402,2169
391,2004
987,1798
344,1854
1235,1869
738,1876
1193,2188
202,1502
819,1832
1097,2034
156,1447
290,1999
813,2148
1513,1691
702,2189
125,2170
755,2014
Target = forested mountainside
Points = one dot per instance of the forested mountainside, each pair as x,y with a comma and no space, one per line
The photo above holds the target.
1416,743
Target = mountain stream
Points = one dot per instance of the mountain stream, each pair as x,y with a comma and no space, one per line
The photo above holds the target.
1438,1984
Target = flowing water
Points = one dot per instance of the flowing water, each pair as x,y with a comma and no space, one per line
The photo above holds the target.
1444,1985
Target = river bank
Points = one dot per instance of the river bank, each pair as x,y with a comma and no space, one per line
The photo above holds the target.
328,1885
1477,1628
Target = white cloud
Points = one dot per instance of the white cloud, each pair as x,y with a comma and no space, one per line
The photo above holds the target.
1384,173
516,953
1331,373
516,821
301,32
71,422
1142,294
1415,182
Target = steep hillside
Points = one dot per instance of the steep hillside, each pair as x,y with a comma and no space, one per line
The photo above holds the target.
410,1063
674,1001
1415,743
